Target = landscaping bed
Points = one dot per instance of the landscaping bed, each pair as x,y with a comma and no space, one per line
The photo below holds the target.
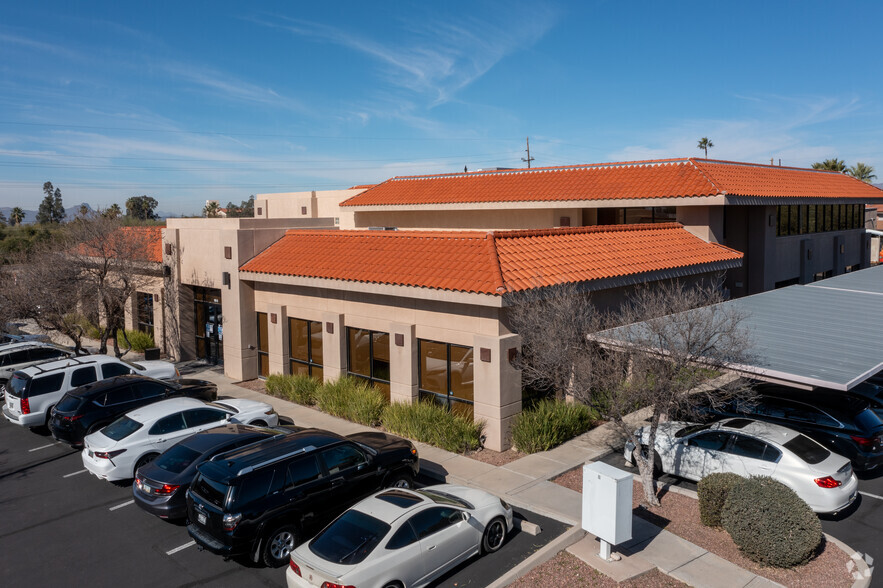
568,570
679,514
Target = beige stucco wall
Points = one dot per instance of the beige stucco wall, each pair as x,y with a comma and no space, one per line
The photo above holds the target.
467,219
312,204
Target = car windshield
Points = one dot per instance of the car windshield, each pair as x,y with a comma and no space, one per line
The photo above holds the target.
690,429
69,403
121,428
807,449
177,459
444,498
133,365
224,407
868,421
350,538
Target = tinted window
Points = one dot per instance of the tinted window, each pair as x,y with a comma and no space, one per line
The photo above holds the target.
110,370
83,375
69,403
18,385
149,389
689,430
807,449
45,385
254,486
177,459
444,498
809,414
203,416
350,538
16,357
119,396
342,457
121,428
404,536
169,424
753,448
302,471
43,353
868,421
433,520
214,492
713,440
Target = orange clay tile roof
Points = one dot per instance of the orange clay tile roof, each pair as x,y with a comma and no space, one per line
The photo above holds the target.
492,262
363,186
629,180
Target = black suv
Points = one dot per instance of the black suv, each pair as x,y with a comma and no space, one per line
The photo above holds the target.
262,500
843,423
160,487
90,407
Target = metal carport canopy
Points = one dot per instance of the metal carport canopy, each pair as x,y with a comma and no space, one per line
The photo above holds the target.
826,334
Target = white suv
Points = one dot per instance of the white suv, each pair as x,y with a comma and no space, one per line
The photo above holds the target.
31,393
17,356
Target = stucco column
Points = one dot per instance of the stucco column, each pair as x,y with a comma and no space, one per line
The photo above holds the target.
240,330
333,345
497,388
403,371
278,339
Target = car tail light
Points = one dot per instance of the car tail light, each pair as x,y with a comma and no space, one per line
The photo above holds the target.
166,489
71,419
295,568
230,521
109,454
333,585
863,442
25,406
827,482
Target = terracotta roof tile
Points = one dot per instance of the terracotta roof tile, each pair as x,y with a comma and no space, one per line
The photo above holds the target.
486,262
690,177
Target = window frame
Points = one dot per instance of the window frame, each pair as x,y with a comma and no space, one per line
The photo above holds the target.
448,400
311,365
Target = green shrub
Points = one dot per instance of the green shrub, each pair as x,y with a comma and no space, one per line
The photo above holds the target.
549,424
297,388
771,524
433,424
713,490
353,399
137,340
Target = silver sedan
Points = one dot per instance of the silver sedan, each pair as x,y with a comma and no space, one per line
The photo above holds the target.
747,447
402,538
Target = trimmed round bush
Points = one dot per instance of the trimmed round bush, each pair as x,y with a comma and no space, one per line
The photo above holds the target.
549,424
713,490
770,523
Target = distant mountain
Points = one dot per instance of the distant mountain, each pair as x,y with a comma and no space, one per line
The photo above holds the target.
31,215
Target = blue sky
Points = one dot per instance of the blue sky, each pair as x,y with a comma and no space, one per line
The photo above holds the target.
189,101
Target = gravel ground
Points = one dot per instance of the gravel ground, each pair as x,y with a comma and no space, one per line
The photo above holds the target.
679,514
568,570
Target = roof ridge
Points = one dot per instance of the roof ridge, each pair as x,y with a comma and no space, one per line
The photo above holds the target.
705,175
495,262
550,168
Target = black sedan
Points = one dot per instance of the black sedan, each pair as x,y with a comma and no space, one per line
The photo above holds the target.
161,485
89,408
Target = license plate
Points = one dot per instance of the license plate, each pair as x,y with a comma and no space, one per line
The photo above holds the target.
200,518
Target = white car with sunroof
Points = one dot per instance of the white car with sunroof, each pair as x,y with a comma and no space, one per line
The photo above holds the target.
746,447
136,438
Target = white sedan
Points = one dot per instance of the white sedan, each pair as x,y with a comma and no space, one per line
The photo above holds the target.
747,447
119,449
400,537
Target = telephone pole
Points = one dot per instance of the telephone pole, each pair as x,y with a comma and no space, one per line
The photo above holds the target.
529,158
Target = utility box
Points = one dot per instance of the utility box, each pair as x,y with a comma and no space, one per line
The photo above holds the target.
607,502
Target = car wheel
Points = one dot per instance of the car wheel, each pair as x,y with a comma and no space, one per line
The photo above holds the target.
144,460
259,423
494,535
657,461
392,585
278,547
400,480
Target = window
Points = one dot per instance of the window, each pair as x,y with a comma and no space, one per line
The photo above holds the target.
302,471
403,537
712,440
110,370
342,457
753,448
119,396
254,486
817,218
149,390
44,353
433,520
16,357
368,357
263,345
305,347
169,424
145,312
83,375
46,385
446,375
203,416
121,428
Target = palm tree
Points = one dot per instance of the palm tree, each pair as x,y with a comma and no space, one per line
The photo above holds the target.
705,143
863,172
113,211
16,216
831,164
212,209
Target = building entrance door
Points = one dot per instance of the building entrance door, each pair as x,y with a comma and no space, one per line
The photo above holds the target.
209,325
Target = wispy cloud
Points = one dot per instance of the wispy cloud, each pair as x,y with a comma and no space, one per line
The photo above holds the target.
35,45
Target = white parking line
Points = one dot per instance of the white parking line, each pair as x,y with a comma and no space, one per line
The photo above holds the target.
42,447
75,473
871,495
122,505
179,548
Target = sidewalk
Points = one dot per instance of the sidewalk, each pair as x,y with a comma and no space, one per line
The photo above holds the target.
525,483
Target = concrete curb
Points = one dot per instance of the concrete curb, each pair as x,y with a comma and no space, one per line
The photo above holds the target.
543,555
861,572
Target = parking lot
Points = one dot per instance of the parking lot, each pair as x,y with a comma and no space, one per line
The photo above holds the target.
61,524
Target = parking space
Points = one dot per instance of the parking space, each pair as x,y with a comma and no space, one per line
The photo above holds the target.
63,524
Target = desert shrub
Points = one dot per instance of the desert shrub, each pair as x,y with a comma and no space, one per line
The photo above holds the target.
549,424
770,523
353,399
433,424
135,340
713,490
296,388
